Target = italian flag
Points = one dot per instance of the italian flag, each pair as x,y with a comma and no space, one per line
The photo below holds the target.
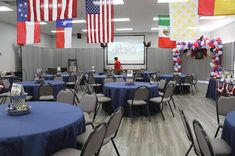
216,7
164,33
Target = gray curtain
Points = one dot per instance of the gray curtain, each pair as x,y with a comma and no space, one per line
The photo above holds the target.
36,57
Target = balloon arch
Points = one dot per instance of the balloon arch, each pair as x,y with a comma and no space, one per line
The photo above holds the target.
199,49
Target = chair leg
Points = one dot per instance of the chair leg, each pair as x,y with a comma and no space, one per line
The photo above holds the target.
189,149
171,109
173,102
148,112
162,113
131,114
114,145
216,133
191,89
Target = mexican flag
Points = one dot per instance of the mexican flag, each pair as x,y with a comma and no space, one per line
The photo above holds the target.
216,7
164,33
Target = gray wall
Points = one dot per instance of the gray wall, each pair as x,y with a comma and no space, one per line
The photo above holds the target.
10,58
35,57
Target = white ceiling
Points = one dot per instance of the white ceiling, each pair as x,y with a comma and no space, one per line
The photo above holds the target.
140,12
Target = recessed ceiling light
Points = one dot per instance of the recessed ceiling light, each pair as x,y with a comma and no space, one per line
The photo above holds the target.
42,23
155,28
121,19
78,21
84,30
124,29
211,17
4,8
172,1
115,2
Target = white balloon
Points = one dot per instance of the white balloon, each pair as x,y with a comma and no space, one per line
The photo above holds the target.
212,73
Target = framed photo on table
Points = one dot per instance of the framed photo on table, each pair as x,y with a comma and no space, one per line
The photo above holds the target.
72,65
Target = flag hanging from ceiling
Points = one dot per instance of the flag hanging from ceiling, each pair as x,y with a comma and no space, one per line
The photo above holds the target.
216,7
51,10
27,32
64,33
184,20
99,21
164,33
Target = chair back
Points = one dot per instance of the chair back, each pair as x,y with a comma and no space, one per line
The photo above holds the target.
66,96
169,91
187,129
94,141
6,83
58,78
188,79
91,79
77,85
72,78
119,80
108,80
141,93
176,78
83,79
114,123
88,103
45,89
225,104
202,139
162,84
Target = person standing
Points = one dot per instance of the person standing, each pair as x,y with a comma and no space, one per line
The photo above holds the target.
117,66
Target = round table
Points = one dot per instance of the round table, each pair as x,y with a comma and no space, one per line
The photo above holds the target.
49,127
31,87
168,77
228,133
100,78
65,76
120,93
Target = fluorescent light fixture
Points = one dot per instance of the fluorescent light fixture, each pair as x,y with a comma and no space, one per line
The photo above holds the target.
155,28
211,17
42,23
78,21
115,2
163,18
84,30
124,29
172,1
121,19
54,31
155,18
4,8
193,28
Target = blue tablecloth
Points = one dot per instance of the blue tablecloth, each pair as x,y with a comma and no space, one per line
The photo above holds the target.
168,77
228,133
49,127
120,93
211,89
100,78
31,87
147,75
65,76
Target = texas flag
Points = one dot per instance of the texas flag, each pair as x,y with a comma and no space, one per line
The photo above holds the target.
64,33
27,32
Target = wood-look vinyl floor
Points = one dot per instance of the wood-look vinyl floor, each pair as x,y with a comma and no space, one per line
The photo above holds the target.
163,138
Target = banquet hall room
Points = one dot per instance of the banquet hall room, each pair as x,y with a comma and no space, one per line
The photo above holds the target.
117,77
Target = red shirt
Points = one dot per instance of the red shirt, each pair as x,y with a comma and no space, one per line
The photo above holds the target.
117,65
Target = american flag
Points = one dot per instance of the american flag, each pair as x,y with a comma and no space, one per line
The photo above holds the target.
99,21
27,32
51,10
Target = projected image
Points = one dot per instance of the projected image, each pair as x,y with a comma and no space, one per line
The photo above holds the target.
128,49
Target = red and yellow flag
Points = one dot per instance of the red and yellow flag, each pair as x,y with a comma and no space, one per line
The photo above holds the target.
216,7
